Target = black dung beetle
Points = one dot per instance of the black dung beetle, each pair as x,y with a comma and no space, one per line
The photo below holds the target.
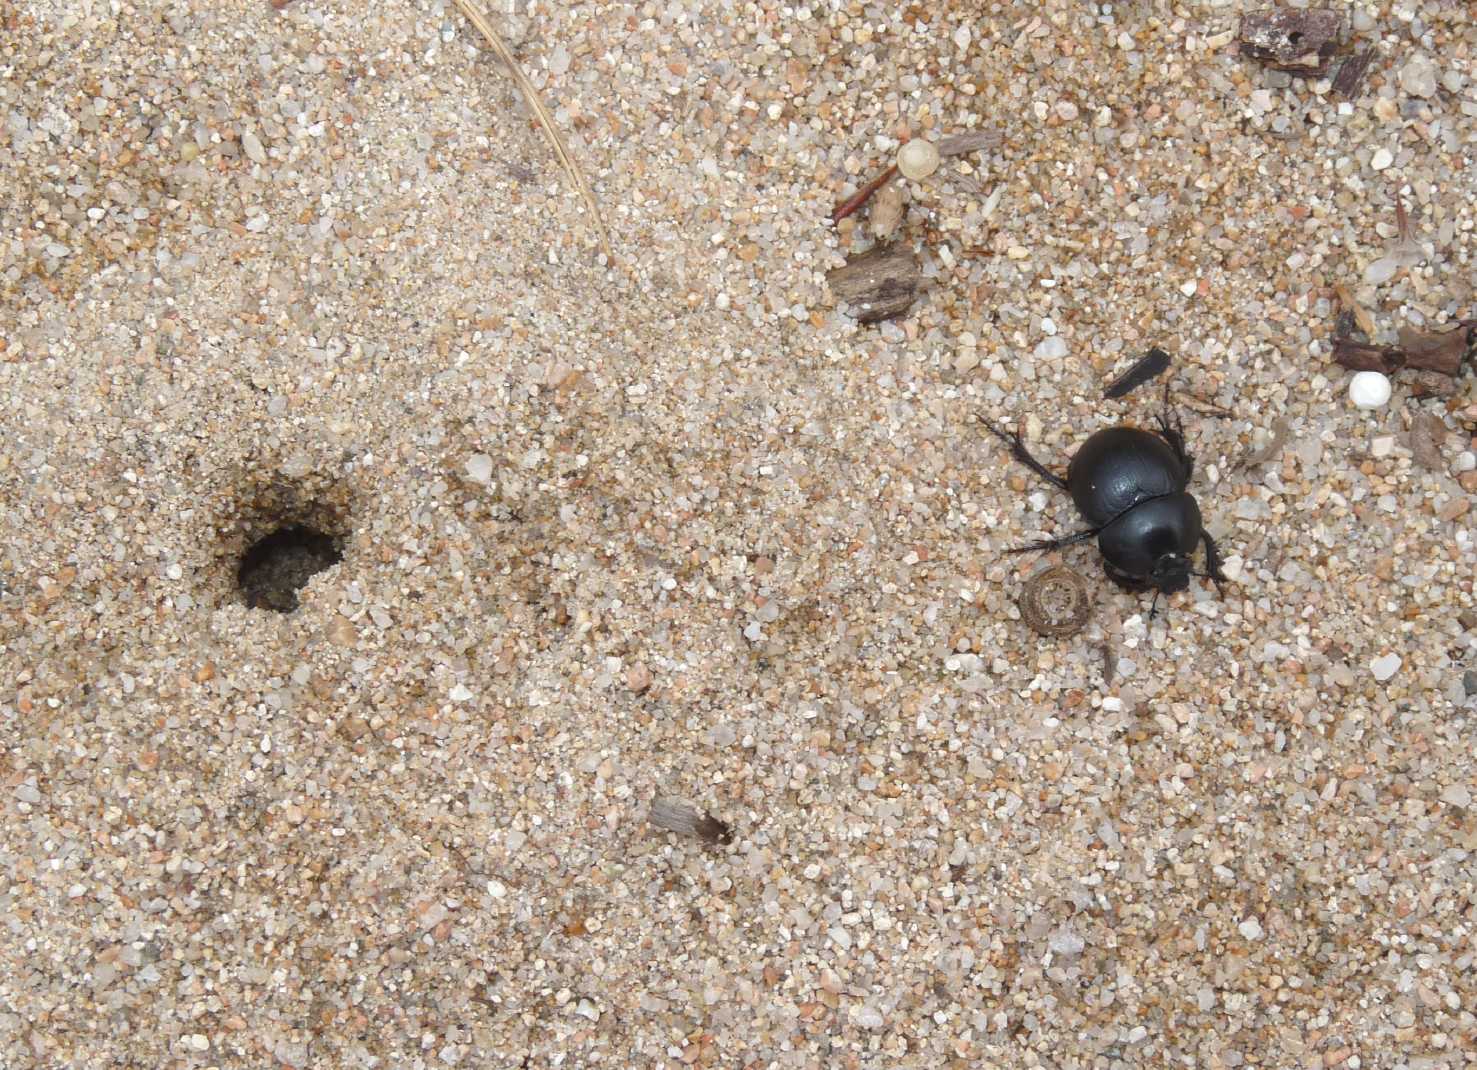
1129,485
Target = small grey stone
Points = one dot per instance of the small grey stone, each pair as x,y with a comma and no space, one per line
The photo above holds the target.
1418,77
1469,682
1385,667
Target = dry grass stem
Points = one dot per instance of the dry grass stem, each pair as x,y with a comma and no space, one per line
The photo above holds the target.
545,119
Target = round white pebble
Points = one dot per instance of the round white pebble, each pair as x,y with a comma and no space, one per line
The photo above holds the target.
918,158
1369,390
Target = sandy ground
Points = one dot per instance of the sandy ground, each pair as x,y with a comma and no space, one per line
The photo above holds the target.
683,528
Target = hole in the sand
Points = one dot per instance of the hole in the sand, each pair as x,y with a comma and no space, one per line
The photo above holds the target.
277,566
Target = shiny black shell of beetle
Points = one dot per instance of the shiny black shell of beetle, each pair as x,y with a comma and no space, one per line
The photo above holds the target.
1140,538
1121,467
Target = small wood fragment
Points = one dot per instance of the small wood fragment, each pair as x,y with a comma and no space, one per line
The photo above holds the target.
1437,351
880,284
1351,73
1432,351
853,204
1362,318
1150,366
674,815
1298,41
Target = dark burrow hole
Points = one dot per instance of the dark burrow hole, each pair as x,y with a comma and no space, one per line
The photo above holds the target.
277,566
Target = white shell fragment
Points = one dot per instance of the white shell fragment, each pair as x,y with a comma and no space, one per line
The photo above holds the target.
1369,390
918,158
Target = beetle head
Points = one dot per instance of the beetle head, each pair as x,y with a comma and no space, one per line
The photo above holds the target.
1171,573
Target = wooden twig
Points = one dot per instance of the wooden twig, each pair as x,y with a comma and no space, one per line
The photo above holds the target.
863,195
545,120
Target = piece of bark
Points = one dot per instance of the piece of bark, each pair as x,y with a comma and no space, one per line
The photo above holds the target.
1366,357
1428,351
1437,351
1298,41
1150,366
879,284
1351,74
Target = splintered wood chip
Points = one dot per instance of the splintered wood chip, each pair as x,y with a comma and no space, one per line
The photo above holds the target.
1295,40
880,284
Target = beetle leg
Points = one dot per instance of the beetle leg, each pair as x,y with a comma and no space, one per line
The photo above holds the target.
1123,579
1056,544
1213,561
1173,432
1019,452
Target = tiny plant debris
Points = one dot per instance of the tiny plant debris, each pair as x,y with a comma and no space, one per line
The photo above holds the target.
955,145
478,18
1150,366
1275,441
1056,602
1351,74
1296,40
674,815
879,284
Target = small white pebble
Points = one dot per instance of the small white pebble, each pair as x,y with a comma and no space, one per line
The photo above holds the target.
1458,795
1385,667
460,693
197,1042
497,889
479,468
1251,929
918,158
869,1017
1052,348
1369,390
1189,286
1381,159
1382,446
